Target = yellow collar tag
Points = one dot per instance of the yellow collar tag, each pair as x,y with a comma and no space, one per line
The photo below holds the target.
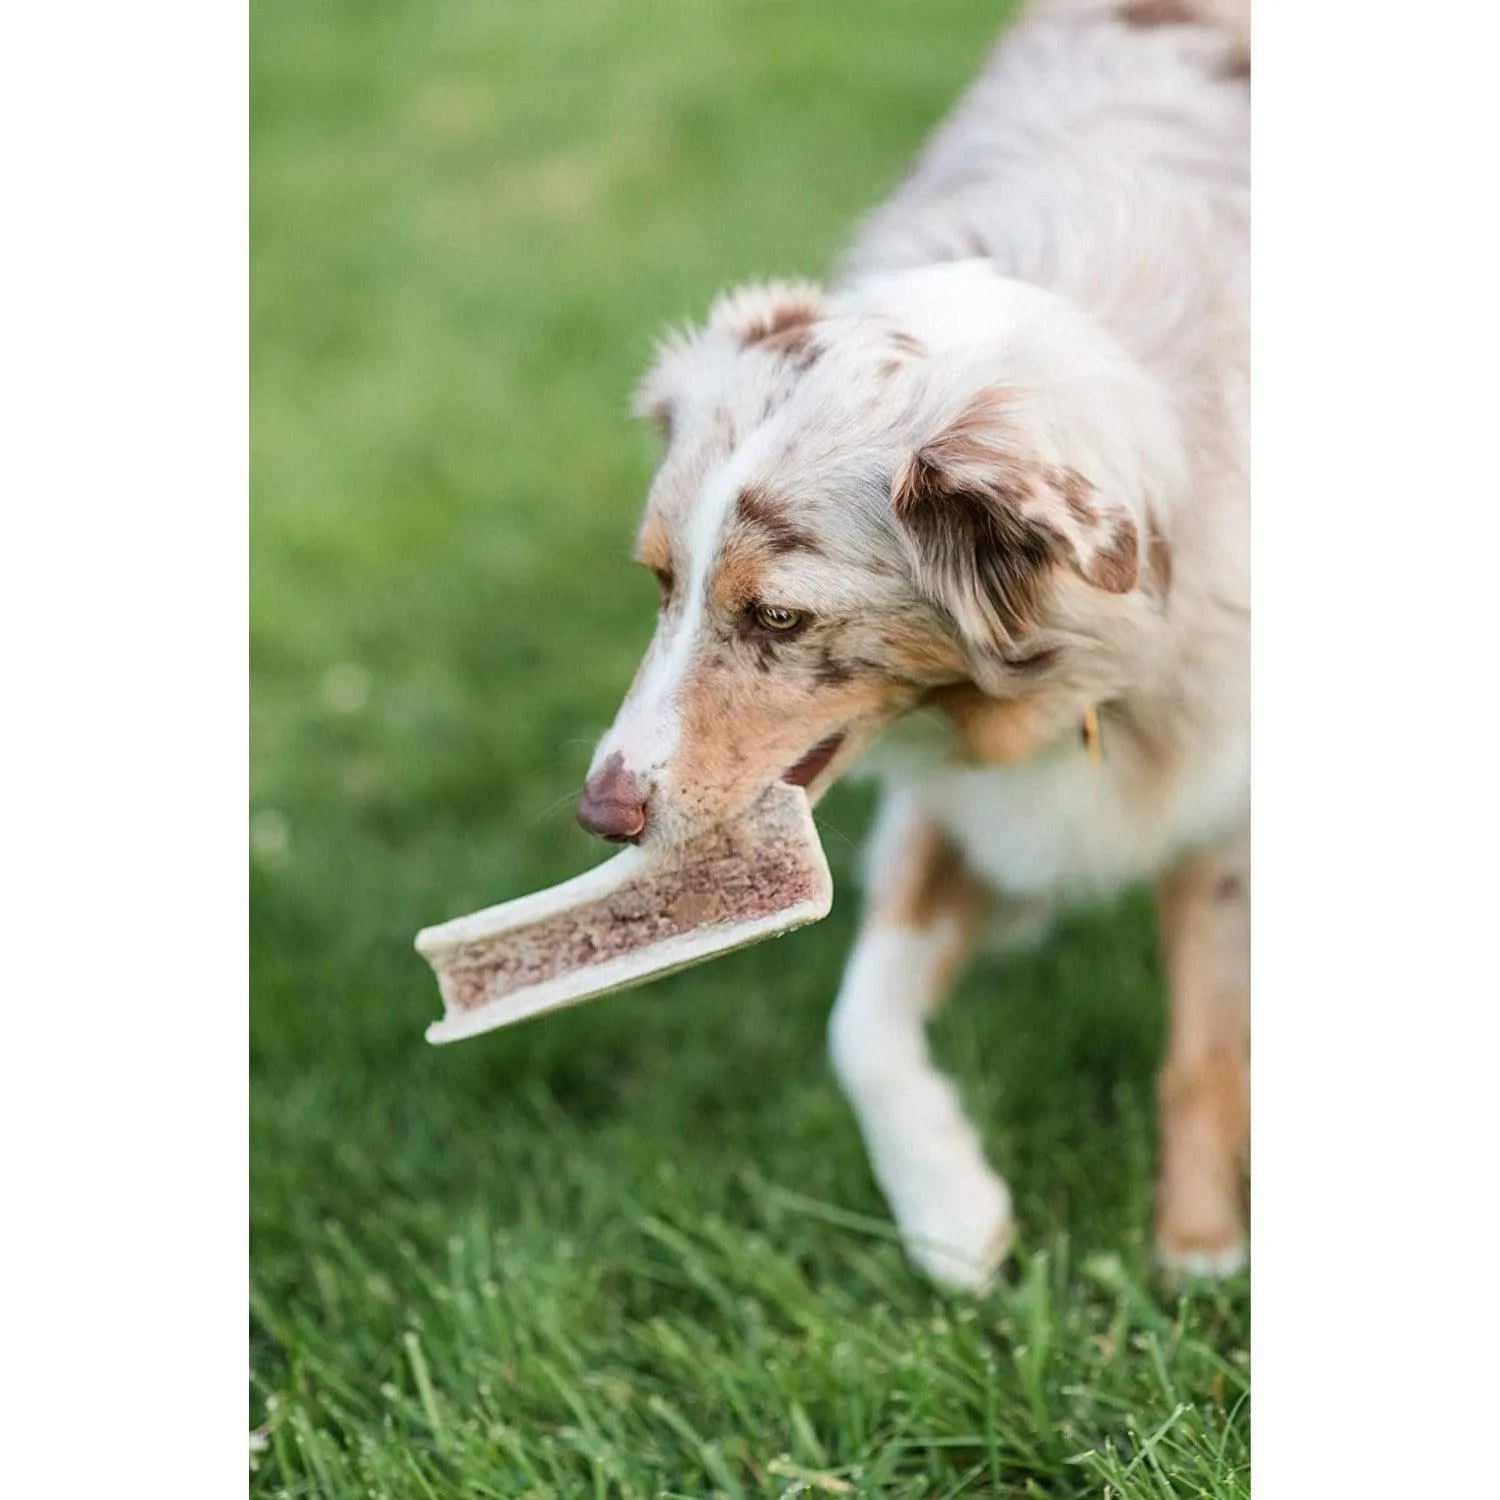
1092,741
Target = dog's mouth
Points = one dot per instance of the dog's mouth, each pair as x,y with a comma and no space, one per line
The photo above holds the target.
814,763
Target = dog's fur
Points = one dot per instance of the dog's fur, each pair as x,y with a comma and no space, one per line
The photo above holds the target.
1000,473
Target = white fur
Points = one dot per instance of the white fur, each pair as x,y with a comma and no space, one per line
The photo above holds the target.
954,1212
1059,826
1205,1263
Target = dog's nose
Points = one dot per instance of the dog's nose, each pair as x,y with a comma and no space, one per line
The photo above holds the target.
613,804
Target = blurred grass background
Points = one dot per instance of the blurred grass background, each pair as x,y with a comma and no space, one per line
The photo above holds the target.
632,1249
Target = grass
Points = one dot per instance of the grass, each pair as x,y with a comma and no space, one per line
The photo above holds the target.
633,1249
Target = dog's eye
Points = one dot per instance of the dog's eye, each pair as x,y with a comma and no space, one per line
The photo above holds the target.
772,617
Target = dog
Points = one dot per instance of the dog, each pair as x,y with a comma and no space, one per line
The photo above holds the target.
975,517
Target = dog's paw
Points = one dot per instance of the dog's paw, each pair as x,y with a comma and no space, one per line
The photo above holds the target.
957,1227
1203,1262
1200,1229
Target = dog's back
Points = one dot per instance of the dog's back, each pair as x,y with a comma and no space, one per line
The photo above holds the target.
1103,154
1100,145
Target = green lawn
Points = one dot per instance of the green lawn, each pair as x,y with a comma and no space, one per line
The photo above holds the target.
632,1249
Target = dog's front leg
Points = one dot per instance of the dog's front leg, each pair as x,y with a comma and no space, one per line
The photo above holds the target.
1204,907
922,911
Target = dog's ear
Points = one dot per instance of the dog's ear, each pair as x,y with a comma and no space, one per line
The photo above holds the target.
777,316
988,521
660,390
774,315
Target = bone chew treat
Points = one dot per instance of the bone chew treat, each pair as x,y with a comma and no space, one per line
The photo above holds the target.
644,913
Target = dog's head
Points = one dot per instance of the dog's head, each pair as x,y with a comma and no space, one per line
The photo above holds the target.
928,480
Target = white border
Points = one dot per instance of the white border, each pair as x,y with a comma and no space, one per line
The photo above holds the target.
1375,564
123,591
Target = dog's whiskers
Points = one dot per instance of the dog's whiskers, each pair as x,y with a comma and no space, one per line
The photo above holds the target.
824,826
554,807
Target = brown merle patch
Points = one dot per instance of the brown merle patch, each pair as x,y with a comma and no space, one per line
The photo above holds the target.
1158,557
977,542
989,522
1146,14
789,329
769,517
1077,494
798,345
1236,66
787,315
1116,566
830,671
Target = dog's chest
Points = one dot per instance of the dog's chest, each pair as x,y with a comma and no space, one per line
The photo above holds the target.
1060,825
